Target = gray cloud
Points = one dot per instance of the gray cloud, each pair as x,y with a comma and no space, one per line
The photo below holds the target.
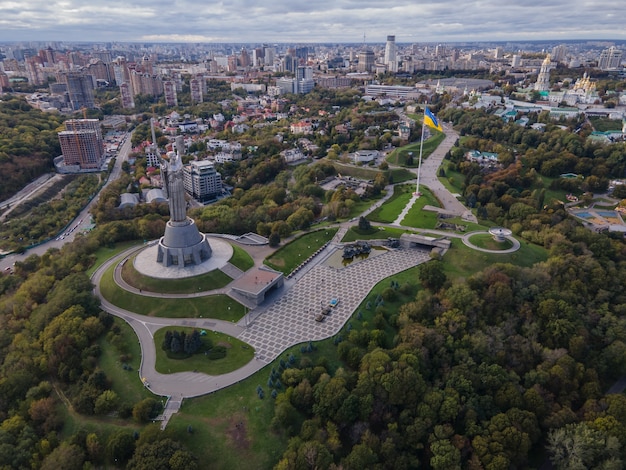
309,21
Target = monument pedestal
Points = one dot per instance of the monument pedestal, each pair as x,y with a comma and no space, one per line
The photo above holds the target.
183,245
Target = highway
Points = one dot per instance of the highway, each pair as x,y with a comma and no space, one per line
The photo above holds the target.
83,216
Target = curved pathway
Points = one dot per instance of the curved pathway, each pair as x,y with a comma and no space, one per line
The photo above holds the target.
466,241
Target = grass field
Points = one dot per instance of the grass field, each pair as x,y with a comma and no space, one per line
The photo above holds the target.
288,257
400,155
453,181
485,240
126,383
460,261
238,354
417,216
105,253
221,307
241,259
392,208
400,175
215,279
377,233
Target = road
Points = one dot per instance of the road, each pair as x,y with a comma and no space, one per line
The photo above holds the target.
83,216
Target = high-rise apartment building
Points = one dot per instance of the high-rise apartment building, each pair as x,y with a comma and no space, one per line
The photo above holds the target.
169,89
202,181
80,90
81,144
126,94
610,59
196,89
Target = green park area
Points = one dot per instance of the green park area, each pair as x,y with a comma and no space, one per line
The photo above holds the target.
241,259
409,154
220,306
374,233
486,241
218,354
215,279
294,253
417,217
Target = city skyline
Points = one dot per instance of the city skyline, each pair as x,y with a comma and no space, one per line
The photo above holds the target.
298,21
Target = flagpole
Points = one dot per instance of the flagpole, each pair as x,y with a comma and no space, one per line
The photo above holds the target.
419,165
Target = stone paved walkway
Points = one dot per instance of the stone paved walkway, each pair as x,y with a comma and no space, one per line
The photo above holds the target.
291,319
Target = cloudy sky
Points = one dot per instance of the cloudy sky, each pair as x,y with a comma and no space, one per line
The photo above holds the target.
309,20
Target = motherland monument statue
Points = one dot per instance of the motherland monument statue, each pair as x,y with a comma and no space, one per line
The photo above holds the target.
182,243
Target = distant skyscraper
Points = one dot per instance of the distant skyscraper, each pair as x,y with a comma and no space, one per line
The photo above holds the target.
559,52
610,59
196,89
366,61
202,181
80,90
269,55
391,54
543,80
169,89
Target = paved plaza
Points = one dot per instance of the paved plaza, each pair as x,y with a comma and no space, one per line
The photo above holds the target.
291,319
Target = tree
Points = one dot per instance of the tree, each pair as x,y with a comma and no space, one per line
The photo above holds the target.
146,409
364,224
66,456
106,402
274,239
120,447
431,275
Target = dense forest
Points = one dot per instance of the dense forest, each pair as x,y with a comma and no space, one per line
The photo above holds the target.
28,143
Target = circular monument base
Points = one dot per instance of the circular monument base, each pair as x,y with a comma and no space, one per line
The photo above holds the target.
146,262
500,234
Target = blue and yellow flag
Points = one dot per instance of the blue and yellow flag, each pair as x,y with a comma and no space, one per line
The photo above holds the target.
431,121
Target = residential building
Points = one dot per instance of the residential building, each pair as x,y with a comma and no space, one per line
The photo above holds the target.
169,89
202,181
610,59
367,61
126,94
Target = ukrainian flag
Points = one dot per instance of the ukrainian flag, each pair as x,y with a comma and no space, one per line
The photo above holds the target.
431,121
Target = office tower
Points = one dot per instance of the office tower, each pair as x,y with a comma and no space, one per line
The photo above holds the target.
498,53
516,61
366,61
543,80
232,63
391,53
80,90
169,89
127,96
81,143
196,89
610,59
302,54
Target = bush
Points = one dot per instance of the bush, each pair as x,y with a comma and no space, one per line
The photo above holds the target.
218,352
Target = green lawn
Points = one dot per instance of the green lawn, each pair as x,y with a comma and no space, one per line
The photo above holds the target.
360,172
417,216
231,427
241,259
460,261
485,240
453,181
215,279
392,208
377,233
124,349
220,306
400,175
105,253
361,206
287,258
400,155
238,354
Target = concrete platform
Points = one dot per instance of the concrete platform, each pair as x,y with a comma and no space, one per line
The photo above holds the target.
146,262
